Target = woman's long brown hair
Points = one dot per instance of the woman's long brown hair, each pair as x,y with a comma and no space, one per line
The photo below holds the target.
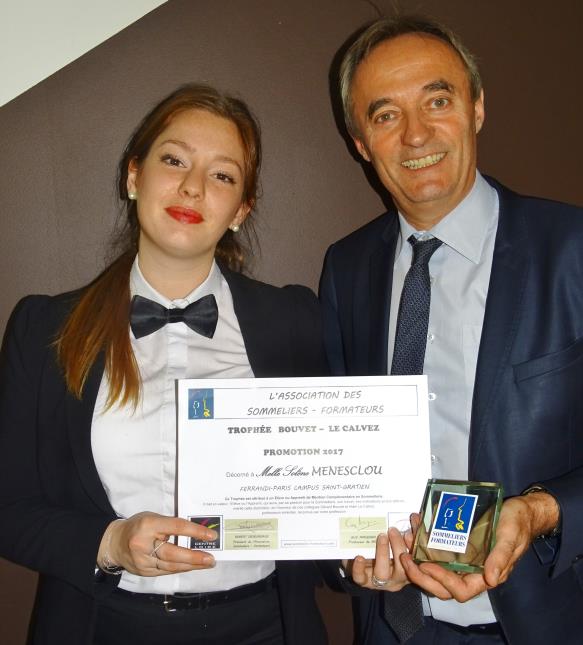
99,321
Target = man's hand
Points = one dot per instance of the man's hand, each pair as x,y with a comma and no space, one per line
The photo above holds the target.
522,519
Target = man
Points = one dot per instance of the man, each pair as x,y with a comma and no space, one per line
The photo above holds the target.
502,344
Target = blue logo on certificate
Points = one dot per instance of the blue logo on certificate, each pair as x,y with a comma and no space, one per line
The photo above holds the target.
453,522
201,404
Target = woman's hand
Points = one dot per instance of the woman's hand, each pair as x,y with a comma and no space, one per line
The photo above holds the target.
383,573
140,545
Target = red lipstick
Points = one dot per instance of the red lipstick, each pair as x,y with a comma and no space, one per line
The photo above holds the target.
184,215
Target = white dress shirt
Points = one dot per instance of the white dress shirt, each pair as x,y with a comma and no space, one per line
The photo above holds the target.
135,452
459,273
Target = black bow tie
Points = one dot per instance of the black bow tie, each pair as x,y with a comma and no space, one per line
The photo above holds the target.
148,316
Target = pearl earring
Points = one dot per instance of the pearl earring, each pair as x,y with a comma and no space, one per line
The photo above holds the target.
132,195
234,228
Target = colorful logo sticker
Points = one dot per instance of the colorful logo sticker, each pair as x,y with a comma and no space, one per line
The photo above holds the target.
201,404
213,522
453,522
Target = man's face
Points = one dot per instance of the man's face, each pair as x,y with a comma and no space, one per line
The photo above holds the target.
417,124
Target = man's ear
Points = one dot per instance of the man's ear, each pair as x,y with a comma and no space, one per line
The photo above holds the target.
479,112
361,148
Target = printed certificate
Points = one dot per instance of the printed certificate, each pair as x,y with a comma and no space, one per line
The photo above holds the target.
302,468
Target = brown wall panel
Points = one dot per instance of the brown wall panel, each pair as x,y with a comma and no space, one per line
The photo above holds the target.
61,141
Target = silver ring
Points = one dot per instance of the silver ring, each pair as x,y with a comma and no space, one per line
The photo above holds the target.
154,553
378,582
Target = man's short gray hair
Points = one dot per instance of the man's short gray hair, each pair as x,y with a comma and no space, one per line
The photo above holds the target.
385,29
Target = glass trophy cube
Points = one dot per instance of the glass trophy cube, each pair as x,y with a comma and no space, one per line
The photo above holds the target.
458,524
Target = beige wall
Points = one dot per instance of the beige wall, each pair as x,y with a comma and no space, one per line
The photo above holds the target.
56,33
61,140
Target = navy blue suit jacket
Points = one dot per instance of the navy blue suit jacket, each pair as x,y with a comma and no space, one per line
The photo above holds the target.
527,412
53,506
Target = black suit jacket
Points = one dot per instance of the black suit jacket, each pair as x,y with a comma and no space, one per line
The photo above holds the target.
53,506
527,413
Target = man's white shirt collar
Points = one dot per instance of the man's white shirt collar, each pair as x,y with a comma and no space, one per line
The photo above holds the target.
465,228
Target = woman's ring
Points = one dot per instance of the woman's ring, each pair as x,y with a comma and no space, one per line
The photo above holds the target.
379,582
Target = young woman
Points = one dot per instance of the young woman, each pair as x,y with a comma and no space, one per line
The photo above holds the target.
87,411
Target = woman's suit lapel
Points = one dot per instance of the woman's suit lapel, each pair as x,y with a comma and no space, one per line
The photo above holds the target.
269,354
79,418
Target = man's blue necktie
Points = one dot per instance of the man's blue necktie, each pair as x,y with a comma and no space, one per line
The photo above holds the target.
413,320
403,609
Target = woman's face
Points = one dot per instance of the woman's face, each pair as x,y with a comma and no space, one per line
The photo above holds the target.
189,187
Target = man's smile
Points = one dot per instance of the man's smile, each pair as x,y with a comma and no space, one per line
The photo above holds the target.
423,162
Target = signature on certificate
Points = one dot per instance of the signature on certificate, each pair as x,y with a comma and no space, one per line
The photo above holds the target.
364,523
251,525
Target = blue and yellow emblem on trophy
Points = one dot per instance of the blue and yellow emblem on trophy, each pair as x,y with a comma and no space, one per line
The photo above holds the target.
458,524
